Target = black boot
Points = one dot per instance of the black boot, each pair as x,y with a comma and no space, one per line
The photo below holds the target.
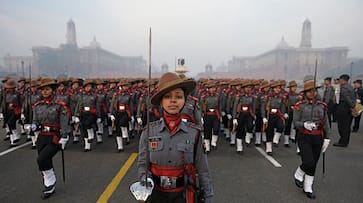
48,191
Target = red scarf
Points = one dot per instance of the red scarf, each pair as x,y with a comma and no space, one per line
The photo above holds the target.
172,122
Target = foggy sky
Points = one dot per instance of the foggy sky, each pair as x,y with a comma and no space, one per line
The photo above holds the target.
201,31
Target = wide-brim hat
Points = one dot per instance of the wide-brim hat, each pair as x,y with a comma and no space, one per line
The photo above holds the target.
5,79
169,81
292,84
236,82
88,82
10,84
100,82
265,84
22,79
247,83
34,83
124,83
309,85
275,84
47,82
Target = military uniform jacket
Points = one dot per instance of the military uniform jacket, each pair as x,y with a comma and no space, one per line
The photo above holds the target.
63,96
314,112
11,101
122,101
30,100
273,104
167,150
292,99
87,102
102,102
192,109
52,113
74,97
244,103
210,103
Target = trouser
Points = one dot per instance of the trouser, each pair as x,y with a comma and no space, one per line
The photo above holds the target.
356,122
88,121
344,119
274,121
10,119
258,122
245,125
310,149
46,151
211,125
289,123
166,197
331,109
121,120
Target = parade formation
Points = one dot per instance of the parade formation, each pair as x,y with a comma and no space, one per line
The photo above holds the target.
51,112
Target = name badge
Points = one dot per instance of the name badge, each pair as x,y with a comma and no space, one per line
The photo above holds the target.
153,144
87,108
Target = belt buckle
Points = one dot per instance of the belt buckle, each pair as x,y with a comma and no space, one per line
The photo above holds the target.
46,129
87,108
273,110
122,107
167,182
11,105
211,110
245,108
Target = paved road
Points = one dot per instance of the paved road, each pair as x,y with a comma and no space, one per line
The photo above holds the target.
247,178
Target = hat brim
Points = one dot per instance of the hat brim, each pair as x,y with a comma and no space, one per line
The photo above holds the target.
51,84
9,86
187,85
316,87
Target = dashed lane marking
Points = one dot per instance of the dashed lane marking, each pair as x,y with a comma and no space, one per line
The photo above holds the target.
110,189
269,158
15,148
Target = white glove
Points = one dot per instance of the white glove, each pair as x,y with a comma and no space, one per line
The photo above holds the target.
132,119
359,101
76,119
229,116
109,115
112,117
63,141
1,116
33,127
286,116
139,121
99,120
73,118
235,122
325,145
265,121
223,113
309,125
22,117
150,182
202,121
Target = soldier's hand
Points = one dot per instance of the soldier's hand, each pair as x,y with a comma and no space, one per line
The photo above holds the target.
112,117
132,119
223,113
325,145
139,121
150,182
63,141
235,122
265,121
309,125
1,116
359,101
76,119
286,116
99,120
22,117
202,121
229,116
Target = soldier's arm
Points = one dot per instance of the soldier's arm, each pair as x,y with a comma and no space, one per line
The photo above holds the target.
64,119
263,107
326,125
142,158
235,105
298,123
201,164
346,93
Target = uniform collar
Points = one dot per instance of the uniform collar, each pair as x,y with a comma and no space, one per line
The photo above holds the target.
182,126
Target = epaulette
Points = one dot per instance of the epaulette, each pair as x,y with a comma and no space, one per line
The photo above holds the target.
38,102
238,95
297,104
60,102
203,96
194,98
193,125
152,124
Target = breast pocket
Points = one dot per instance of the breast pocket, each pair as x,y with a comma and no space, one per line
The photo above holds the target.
187,150
156,151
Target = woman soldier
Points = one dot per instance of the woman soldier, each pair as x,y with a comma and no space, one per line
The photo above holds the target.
310,120
51,120
172,151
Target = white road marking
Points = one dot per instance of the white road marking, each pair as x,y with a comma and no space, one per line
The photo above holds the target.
269,158
15,148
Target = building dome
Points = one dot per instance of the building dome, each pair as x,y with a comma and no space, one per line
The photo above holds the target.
94,44
282,44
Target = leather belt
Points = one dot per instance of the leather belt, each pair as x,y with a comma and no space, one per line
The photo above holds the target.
168,182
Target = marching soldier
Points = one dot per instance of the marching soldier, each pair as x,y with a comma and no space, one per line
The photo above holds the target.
11,110
32,96
329,98
102,102
273,112
260,133
74,95
51,120
235,89
88,113
177,161
310,120
112,89
244,115
292,98
211,116
121,109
